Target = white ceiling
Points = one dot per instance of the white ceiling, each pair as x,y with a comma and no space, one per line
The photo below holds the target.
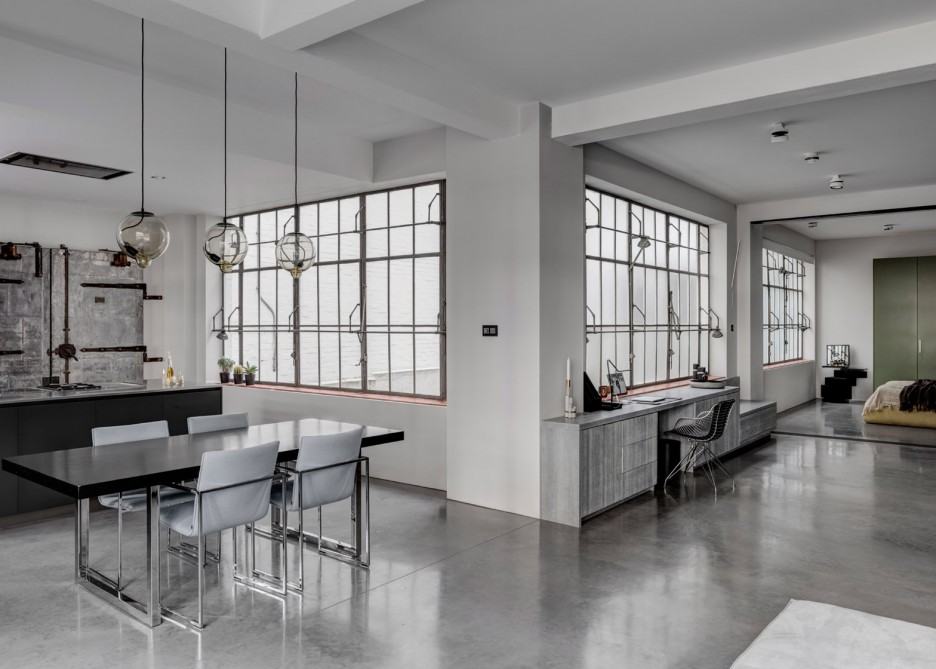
90,31
69,87
847,227
875,141
556,51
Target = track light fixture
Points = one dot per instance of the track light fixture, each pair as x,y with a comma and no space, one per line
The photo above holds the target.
811,158
837,182
779,133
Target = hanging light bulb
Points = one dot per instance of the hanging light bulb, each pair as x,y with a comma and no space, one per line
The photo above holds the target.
295,252
225,246
225,243
142,235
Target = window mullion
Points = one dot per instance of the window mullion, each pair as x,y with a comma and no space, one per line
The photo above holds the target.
362,285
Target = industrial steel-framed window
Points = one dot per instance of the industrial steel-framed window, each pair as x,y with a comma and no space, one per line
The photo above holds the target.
369,317
784,319
647,291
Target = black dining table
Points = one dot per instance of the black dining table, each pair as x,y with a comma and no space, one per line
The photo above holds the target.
85,473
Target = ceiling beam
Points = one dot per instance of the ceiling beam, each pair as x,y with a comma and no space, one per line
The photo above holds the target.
477,113
296,24
875,62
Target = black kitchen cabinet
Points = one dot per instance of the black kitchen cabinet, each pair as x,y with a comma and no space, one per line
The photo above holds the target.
128,410
55,426
60,424
177,407
9,484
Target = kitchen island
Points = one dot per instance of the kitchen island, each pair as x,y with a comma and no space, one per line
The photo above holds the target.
35,420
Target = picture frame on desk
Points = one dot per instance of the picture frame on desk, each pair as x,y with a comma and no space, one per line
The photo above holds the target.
617,383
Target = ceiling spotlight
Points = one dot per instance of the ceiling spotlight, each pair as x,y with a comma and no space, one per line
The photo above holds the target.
157,177
888,227
837,183
814,224
779,133
811,158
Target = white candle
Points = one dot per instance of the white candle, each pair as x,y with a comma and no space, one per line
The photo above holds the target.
568,369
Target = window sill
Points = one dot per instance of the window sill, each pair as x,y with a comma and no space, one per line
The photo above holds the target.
402,399
682,383
788,363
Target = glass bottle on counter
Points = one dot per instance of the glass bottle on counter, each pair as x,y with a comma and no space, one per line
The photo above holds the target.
169,377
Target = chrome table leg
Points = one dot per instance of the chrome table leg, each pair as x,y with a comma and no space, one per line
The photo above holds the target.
152,556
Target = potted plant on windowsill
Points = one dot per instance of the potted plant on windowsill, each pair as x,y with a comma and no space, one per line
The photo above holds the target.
224,369
238,374
250,374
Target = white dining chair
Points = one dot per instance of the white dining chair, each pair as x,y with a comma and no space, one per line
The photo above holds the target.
217,423
325,472
204,425
233,489
130,500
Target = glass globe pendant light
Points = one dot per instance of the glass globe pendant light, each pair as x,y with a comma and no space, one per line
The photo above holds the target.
142,235
225,243
295,252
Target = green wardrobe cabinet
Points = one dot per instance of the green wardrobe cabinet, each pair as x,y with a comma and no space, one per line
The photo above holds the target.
904,319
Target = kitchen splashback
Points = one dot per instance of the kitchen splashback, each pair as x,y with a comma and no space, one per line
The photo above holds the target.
100,317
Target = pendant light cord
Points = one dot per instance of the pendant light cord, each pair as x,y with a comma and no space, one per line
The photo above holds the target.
224,220
296,151
142,114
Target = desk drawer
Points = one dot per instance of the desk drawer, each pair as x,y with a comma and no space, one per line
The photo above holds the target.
639,480
639,454
639,429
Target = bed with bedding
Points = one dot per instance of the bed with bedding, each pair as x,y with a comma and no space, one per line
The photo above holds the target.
906,403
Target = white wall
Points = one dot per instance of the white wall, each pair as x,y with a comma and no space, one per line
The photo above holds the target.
51,223
845,287
790,385
422,154
419,459
562,269
493,248
170,322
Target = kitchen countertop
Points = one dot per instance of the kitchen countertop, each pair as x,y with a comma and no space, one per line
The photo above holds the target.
677,397
16,396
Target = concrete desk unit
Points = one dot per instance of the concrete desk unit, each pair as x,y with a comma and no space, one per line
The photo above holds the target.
598,460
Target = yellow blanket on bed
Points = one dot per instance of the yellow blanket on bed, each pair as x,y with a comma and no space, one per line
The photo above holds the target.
894,416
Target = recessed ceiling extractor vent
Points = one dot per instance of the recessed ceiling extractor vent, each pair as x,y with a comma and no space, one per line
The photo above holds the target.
32,161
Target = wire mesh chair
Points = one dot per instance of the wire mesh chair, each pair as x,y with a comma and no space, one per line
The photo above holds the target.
707,427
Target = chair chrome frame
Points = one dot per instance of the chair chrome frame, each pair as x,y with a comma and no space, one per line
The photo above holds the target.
115,585
357,554
703,429
198,623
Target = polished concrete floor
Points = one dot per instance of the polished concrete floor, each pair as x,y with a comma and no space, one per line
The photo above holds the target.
684,581
843,421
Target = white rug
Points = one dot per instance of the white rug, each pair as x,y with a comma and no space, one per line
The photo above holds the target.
821,636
